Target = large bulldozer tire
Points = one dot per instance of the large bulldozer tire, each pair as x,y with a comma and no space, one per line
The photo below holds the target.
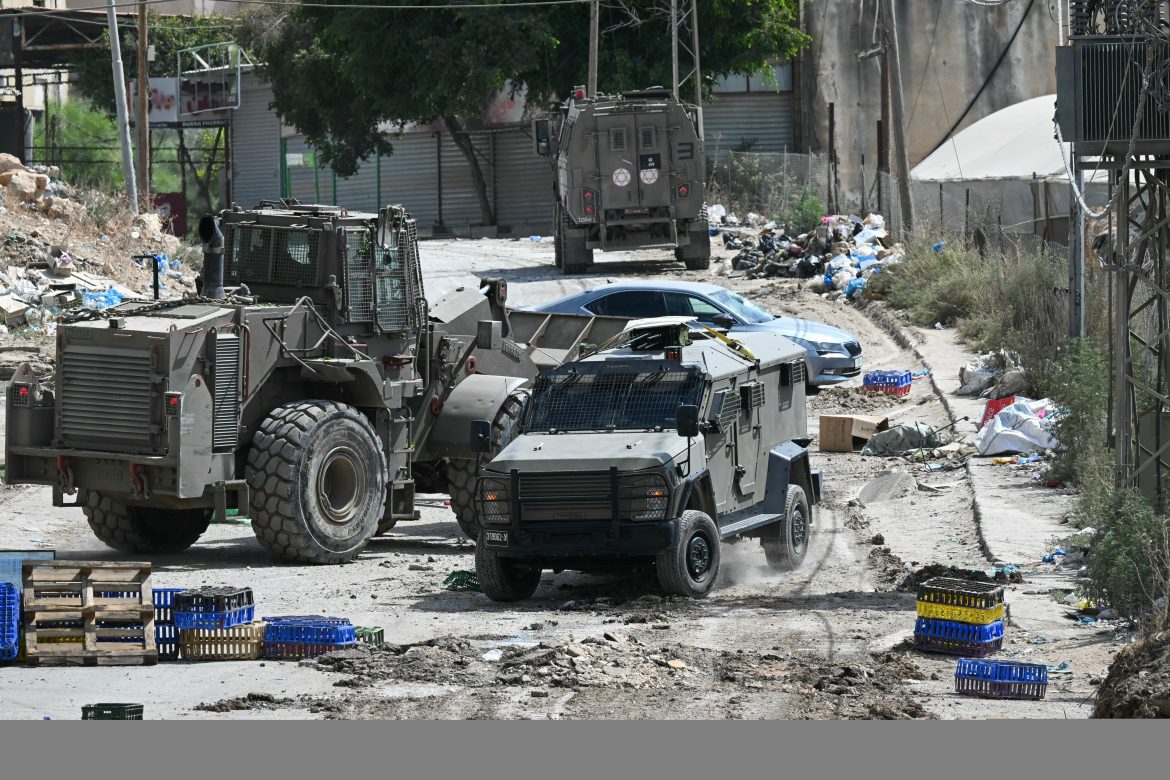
461,474
136,529
318,479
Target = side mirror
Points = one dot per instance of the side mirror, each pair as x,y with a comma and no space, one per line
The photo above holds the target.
723,320
686,420
542,137
481,436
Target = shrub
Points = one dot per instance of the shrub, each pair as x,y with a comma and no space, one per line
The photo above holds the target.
1129,563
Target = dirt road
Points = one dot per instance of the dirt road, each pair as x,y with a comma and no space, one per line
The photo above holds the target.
828,641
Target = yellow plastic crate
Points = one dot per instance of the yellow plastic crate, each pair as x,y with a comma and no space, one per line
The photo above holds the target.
973,615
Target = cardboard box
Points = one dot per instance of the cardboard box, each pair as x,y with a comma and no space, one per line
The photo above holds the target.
848,432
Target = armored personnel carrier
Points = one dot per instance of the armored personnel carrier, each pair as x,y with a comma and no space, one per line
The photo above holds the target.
653,449
628,173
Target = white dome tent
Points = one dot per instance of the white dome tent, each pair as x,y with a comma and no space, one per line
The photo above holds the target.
1012,161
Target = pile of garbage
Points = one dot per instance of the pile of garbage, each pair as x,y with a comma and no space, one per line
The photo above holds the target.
993,375
839,255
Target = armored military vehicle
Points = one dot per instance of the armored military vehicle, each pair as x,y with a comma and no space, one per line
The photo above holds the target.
654,449
315,395
628,174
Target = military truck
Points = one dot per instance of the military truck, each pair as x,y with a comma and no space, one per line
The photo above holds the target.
628,173
315,395
651,450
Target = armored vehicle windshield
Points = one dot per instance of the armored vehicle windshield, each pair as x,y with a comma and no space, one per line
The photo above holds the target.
612,395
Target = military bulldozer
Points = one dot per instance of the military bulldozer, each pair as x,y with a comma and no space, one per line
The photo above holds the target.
628,173
315,394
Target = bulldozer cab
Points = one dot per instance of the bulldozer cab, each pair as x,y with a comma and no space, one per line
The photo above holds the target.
364,269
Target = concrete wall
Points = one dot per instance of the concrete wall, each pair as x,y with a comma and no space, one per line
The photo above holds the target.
944,64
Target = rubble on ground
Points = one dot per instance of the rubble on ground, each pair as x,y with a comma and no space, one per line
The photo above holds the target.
54,256
1138,683
615,663
838,256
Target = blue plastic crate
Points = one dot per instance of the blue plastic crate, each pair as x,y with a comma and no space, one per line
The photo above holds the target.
322,620
953,638
330,631
294,651
11,562
164,600
166,639
1001,679
9,621
226,619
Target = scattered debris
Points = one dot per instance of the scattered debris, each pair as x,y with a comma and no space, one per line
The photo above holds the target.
460,580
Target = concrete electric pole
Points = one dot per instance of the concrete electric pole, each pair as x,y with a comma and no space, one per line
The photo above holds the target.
120,99
594,35
897,116
143,110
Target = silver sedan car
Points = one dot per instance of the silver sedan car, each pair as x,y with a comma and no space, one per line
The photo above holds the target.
833,354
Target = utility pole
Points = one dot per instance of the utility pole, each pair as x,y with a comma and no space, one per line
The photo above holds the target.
120,99
698,72
897,116
674,47
143,109
594,42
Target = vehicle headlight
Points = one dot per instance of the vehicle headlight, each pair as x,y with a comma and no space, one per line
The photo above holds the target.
647,497
830,347
495,500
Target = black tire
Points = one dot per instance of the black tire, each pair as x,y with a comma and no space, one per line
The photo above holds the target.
504,579
136,529
462,473
318,480
575,256
690,565
697,255
786,544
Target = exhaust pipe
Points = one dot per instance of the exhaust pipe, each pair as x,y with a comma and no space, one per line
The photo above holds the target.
212,239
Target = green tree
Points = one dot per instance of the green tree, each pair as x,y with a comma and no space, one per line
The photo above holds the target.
336,75
168,35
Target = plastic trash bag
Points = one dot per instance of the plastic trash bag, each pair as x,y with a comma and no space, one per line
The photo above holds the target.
1018,428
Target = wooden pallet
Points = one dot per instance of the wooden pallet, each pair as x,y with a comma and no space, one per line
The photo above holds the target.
96,600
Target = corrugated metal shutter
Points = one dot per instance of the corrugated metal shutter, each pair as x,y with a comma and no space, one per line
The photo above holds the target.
765,119
409,177
304,182
524,184
255,145
460,203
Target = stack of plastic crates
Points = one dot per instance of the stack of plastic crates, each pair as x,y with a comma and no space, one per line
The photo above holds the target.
213,607
166,633
9,622
215,624
1001,679
959,617
306,636
889,382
